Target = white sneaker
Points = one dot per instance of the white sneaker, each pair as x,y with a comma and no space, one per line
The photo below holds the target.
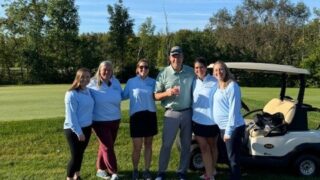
160,176
203,176
102,174
114,177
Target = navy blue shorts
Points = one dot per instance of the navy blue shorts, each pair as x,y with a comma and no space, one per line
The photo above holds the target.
205,130
143,124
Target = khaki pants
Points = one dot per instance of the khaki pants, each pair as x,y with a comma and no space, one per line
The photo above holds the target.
173,121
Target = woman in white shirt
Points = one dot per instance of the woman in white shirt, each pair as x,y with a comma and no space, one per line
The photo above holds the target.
203,125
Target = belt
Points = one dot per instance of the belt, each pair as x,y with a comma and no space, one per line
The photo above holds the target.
180,110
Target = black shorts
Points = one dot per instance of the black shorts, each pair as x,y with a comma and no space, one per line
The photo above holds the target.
143,124
205,130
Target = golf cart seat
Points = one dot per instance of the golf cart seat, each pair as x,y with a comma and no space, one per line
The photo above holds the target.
286,107
275,106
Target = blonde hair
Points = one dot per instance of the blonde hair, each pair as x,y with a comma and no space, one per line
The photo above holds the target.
76,82
143,60
229,75
97,74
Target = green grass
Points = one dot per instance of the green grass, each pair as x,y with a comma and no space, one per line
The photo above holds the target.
38,150
34,102
35,147
256,98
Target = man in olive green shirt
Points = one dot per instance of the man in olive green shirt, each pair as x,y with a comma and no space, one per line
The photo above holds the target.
174,89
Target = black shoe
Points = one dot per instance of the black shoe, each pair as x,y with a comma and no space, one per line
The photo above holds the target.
135,175
182,176
147,175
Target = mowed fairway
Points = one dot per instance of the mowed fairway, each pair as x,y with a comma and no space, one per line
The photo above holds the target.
33,102
33,146
47,101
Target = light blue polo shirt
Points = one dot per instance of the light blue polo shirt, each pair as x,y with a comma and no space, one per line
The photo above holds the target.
168,78
140,91
78,110
202,91
226,108
107,100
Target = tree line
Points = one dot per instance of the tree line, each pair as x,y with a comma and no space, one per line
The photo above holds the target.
40,40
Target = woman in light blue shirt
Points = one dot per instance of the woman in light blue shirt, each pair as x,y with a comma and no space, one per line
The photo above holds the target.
226,112
106,91
78,120
205,129
143,118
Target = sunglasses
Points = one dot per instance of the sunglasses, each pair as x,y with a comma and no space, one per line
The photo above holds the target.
145,67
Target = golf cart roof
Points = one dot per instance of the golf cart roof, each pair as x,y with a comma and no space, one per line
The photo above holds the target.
270,68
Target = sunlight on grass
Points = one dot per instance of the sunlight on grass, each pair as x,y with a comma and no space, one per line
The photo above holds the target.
37,149
34,102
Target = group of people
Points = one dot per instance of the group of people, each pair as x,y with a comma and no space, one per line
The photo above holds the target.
194,101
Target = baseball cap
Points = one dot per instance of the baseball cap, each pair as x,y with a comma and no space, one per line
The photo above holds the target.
175,50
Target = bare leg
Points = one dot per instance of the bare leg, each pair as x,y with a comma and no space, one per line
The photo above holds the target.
137,145
147,151
214,152
206,155
76,175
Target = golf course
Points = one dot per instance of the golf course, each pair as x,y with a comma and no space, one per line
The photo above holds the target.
33,145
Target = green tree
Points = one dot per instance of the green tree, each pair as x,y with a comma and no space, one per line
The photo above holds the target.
197,43
120,32
148,44
93,49
262,30
146,36
63,41
24,26
311,58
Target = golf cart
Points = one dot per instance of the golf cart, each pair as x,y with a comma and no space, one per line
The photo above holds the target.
277,134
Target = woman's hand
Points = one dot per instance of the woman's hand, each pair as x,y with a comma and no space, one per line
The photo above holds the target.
226,138
82,137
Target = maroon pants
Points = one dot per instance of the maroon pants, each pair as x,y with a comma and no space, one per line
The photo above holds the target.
106,132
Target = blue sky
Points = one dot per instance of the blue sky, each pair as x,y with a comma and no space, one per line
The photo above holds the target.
181,14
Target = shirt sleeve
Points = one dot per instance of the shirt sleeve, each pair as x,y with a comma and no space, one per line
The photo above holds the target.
234,100
126,91
194,82
117,85
92,84
71,104
159,87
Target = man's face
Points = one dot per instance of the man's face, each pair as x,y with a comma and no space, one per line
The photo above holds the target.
176,61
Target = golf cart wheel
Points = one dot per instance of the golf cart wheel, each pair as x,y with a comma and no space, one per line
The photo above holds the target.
196,163
307,165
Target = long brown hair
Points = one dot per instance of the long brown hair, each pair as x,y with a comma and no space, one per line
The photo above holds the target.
76,82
